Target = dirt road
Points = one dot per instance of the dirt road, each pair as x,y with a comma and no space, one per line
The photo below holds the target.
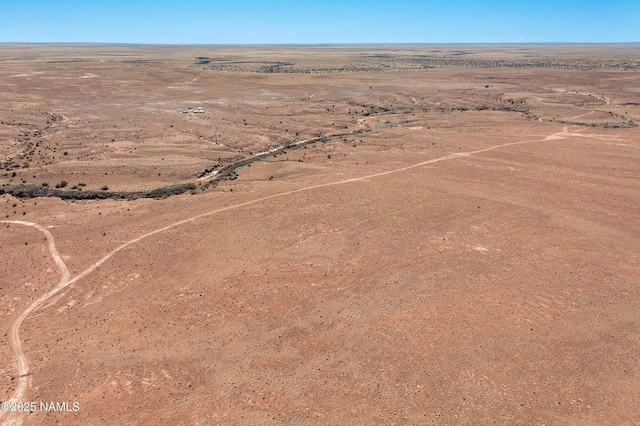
65,280
24,378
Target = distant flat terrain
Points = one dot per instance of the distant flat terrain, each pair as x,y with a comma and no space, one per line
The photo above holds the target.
367,234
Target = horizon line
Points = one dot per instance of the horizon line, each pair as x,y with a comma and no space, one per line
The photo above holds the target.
316,43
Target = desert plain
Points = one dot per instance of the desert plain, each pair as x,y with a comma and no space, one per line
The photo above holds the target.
320,235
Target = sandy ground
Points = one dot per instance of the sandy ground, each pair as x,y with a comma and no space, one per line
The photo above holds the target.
467,253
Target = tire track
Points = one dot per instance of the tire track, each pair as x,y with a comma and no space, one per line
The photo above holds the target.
24,378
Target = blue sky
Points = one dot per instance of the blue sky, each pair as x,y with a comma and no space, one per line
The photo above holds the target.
199,21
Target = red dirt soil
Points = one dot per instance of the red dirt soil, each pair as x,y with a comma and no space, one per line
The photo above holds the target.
497,281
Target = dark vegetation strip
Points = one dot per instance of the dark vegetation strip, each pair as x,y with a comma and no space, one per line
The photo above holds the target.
32,191
381,63
227,172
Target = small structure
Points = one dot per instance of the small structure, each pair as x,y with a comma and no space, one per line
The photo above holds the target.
199,110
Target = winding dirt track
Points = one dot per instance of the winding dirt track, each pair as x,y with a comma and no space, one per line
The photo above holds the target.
24,378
